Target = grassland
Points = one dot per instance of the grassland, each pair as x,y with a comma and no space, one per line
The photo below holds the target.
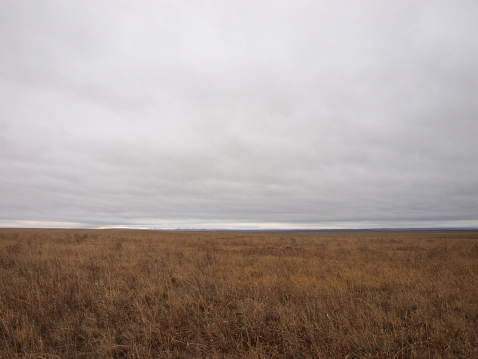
152,294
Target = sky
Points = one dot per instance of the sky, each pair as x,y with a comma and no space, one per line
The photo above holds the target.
239,114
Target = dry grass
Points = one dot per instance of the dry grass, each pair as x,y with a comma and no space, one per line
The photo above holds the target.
140,294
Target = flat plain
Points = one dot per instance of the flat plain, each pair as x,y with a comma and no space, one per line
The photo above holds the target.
169,294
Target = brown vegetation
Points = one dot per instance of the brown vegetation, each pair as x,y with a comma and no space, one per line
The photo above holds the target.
140,294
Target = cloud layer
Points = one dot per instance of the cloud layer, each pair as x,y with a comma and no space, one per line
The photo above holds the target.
239,114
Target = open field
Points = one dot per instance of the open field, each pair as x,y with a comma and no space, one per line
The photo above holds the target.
139,294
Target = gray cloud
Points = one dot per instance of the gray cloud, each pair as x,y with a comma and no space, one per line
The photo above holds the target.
239,114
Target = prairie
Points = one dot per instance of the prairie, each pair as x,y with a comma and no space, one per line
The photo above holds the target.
168,294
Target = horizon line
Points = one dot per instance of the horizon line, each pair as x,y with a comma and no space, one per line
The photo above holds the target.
189,229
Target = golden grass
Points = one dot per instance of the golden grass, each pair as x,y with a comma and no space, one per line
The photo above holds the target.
140,294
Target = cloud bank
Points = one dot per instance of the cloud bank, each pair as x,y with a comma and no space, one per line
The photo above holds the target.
260,114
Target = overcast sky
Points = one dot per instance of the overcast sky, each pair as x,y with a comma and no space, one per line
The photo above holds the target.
239,114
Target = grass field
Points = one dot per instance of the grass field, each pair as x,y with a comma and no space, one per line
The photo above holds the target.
140,294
